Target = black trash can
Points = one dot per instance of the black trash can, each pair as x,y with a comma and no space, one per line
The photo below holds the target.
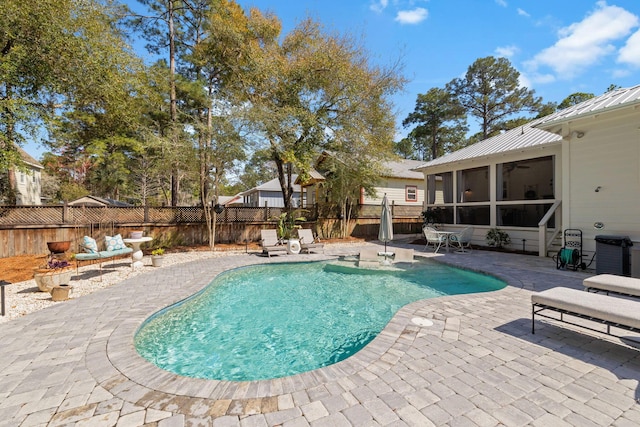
612,255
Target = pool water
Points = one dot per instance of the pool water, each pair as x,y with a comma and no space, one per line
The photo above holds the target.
271,321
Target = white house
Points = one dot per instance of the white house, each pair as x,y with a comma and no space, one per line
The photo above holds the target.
400,182
27,183
578,169
270,194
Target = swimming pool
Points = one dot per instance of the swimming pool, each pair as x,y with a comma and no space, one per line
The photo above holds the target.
271,321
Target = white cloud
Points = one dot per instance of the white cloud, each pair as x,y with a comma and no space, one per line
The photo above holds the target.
379,6
507,51
523,12
630,52
502,3
584,43
414,16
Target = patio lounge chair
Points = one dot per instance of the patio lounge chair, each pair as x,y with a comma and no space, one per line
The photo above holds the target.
612,284
462,240
307,242
403,255
368,258
433,238
603,309
271,243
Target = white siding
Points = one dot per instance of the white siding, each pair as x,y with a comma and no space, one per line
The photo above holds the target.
28,187
607,156
395,189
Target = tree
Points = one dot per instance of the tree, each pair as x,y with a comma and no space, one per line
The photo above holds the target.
440,123
309,90
490,91
404,148
347,174
56,56
574,99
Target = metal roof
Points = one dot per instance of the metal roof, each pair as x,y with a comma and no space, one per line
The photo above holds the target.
535,133
616,99
517,139
403,168
273,185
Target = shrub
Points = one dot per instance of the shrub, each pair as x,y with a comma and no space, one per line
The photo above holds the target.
498,238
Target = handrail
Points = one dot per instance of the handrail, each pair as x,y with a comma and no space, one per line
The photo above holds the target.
543,244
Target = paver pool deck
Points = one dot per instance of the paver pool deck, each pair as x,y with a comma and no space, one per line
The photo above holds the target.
477,365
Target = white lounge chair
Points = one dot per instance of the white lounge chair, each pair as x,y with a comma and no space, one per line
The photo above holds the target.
610,283
308,242
433,238
603,309
462,240
271,243
402,255
368,258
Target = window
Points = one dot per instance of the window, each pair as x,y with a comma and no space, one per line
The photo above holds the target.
473,185
411,193
530,179
440,188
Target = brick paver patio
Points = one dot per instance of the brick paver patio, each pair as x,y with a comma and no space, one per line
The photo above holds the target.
477,365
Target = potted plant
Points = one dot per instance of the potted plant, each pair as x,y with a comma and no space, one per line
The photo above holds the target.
56,272
157,257
287,223
498,238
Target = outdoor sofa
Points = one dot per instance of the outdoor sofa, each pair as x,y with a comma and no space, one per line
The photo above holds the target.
112,249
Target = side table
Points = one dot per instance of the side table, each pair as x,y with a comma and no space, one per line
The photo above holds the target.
136,256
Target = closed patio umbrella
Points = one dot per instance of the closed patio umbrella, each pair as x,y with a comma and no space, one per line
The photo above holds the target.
385,233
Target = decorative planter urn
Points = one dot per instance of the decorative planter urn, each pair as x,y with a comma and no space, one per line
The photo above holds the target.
60,292
47,278
59,247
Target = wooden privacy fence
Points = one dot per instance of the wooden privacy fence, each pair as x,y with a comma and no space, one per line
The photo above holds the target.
25,230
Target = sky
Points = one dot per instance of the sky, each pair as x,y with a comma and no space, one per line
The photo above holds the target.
559,46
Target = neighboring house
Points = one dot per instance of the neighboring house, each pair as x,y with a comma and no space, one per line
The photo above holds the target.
270,194
27,183
95,201
577,168
401,184
230,200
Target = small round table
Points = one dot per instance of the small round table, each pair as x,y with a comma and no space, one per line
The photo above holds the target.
136,256
293,246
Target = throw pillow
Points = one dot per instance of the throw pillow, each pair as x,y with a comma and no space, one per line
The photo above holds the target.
113,243
89,245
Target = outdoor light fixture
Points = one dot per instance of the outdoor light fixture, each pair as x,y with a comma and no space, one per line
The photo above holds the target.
598,188
577,133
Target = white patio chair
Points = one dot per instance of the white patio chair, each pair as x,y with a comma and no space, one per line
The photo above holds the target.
462,240
433,238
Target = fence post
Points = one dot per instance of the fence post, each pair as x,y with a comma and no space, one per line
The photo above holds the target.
65,214
146,213
266,211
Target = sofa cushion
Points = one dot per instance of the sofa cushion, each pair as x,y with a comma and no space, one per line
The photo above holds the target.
113,243
89,245
116,252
